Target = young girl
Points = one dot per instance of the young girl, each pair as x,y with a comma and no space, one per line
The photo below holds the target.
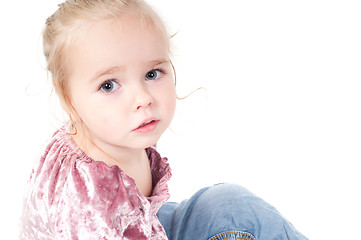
100,176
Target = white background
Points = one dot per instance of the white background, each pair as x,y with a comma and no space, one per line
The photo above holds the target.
280,115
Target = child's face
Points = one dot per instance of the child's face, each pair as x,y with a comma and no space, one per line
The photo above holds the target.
121,84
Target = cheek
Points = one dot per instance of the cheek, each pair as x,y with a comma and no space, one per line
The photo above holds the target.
101,121
87,109
93,113
172,103
169,100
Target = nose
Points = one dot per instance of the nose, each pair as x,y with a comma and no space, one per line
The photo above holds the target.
142,99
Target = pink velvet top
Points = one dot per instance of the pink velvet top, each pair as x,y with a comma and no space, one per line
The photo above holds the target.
70,196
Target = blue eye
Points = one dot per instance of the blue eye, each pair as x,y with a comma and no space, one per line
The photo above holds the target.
153,74
109,86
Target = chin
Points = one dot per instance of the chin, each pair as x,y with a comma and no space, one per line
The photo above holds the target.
151,144
146,143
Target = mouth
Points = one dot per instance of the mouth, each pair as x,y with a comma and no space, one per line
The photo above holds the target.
146,123
147,126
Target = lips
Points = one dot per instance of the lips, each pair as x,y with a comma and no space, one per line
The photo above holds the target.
144,124
147,126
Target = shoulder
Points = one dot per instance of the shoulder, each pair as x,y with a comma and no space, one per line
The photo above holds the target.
60,156
64,170
67,188
54,168
47,179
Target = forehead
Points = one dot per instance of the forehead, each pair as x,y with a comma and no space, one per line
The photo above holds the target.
127,40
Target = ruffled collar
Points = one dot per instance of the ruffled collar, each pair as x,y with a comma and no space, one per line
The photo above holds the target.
160,169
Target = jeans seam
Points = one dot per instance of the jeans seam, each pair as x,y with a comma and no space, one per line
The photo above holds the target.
248,235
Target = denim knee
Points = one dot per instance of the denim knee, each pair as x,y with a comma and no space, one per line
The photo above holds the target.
225,211
234,208
215,213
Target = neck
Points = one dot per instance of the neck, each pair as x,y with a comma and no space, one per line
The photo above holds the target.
111,155
133,161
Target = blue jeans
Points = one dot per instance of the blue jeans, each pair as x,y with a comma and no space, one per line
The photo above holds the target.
225,211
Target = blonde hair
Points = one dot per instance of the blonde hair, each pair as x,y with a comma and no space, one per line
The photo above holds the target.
62,28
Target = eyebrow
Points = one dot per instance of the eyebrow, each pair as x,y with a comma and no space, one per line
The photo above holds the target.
113,69
158,61
103,72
